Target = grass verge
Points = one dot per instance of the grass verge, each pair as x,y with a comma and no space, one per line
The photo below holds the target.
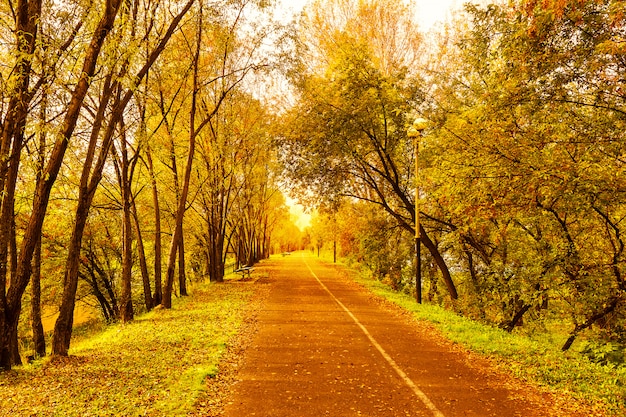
601,388
153,366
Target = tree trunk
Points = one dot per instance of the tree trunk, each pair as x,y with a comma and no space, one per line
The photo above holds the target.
40,205
15,346
215,205
215,245
5,357
166,300
157,231
108,286
63,326
145,276
178,228
124,177
105,306
39,340
182,276
182,203
517,318
8,245
590,321
126,299
441,263
27,16
16,359
87,188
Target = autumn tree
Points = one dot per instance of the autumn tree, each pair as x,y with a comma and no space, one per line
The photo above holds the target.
229,154
80,101
346,136
525,167
14,125
105,127
255,209
223,50
286,236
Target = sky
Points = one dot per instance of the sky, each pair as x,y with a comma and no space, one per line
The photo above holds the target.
301,219
429,11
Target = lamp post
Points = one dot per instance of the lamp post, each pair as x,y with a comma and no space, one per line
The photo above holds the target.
415,133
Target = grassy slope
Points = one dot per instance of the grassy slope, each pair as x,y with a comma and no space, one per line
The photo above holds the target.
153,366
542,364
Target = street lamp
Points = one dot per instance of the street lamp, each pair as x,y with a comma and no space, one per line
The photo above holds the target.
415,133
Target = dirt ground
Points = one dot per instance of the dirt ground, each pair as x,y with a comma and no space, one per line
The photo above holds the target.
323,346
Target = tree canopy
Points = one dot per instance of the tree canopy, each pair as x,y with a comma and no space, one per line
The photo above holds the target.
142,149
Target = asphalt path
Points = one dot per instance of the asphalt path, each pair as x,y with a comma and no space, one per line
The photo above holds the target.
324,346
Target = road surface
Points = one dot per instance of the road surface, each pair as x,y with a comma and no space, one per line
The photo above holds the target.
324,346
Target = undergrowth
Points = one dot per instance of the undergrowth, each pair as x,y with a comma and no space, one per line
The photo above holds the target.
153,366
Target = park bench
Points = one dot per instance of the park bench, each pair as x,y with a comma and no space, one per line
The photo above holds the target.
244,270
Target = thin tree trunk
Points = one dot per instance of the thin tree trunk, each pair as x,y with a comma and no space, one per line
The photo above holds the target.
126,311
105,306
126,301
158,294
517,318
441,263
125,168
182,275
590,321
176,238
15,347
180,212
166,299
145,276
39,340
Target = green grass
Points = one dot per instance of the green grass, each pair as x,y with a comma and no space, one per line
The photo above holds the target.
153,366
537,360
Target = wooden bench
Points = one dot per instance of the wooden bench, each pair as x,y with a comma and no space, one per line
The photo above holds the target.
244,270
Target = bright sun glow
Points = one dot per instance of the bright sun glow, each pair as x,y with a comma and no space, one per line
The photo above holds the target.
301,219
429,12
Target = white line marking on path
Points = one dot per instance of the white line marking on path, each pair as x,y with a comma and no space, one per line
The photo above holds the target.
418,392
